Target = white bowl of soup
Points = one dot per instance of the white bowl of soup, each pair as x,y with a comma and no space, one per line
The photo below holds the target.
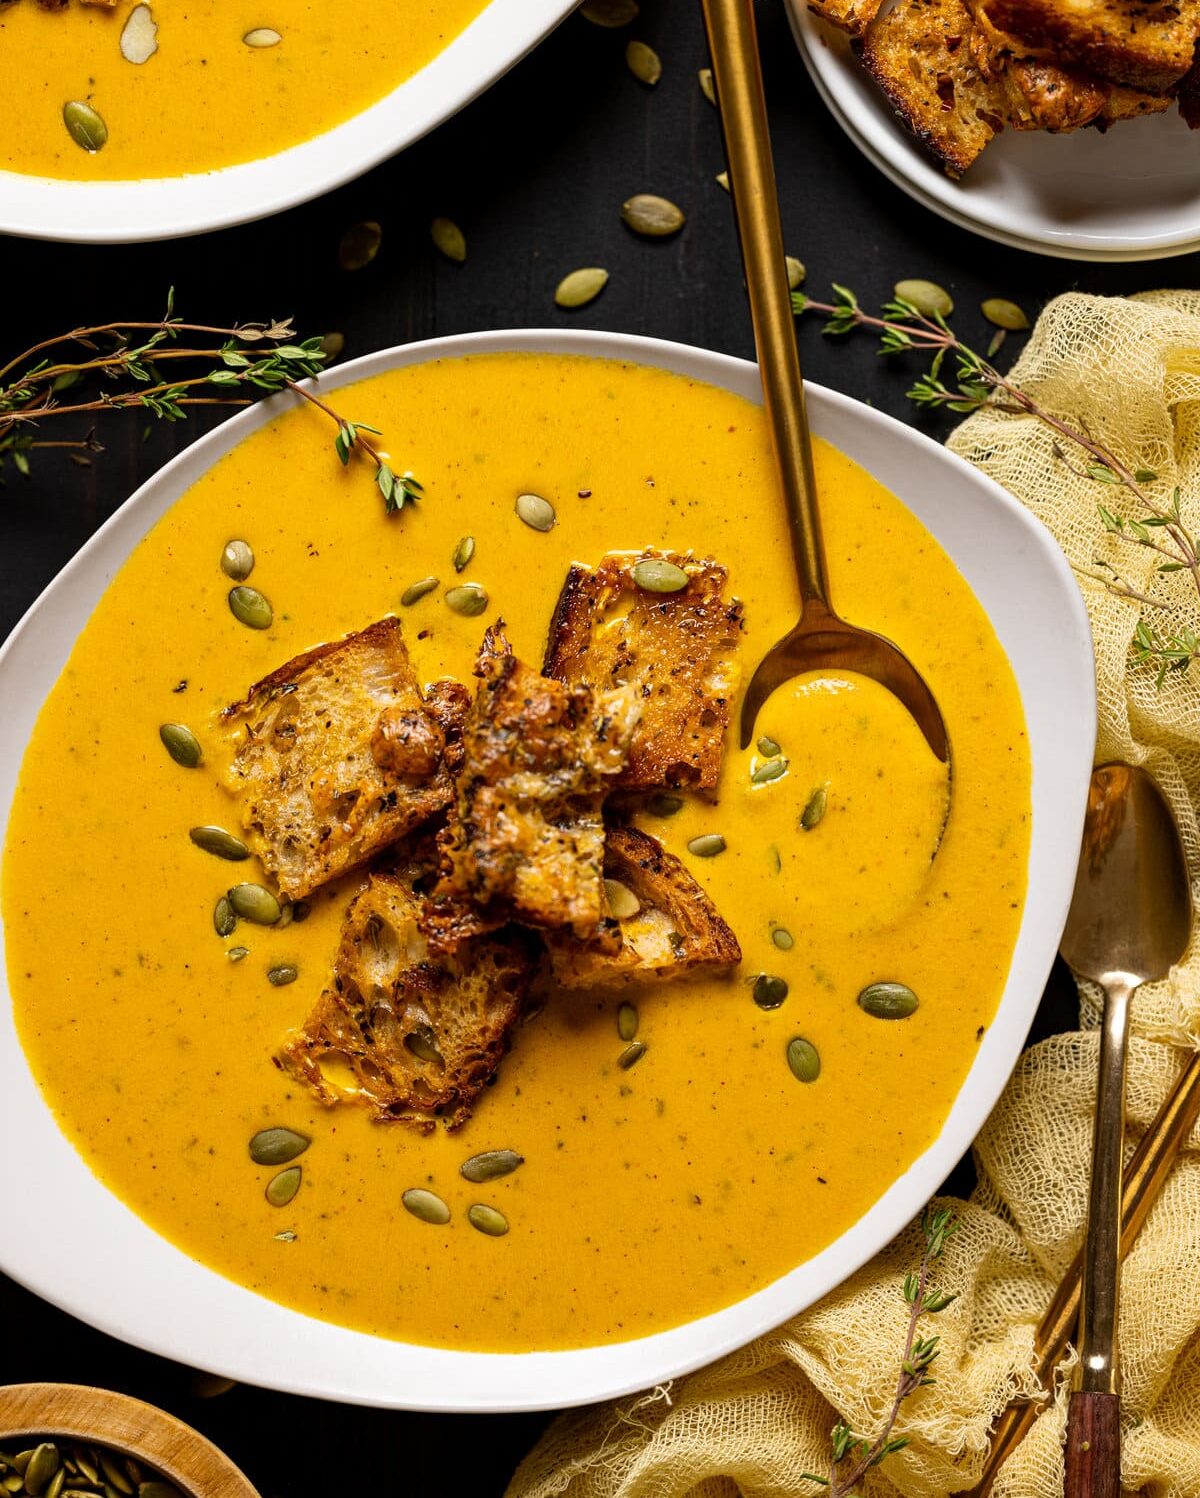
663,1214
239,111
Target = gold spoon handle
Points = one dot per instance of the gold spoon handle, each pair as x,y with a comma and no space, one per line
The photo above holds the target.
734,46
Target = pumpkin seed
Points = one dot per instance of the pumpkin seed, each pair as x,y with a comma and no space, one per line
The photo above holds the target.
627,1021
490,1165
359,245
796,271
139,36
707,87
463,553
250,607
707,845
21,1460
657,575
236,954
771,770
43,1464
164,1489
421,1044
768,747
1004,314
84,126
663,805
416,591
488,1220
537,513
468,599
224,918
927,297
623,904
287,1236
181,744
769,991
888,1000
237,560
219,842
113,1473
814,808
580,287
281,1189
652,216
277,1146
449,239
262,36
783,939
426,1206
57,1482
804,1060
282,974
254,902
644,63
332,345
631,1055
609,13
722,180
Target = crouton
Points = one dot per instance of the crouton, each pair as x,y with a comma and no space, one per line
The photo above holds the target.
1144,44
526,840
853,16
413,1039
675,930
336,756
676,651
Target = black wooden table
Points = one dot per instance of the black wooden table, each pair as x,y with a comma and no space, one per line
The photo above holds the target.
535,172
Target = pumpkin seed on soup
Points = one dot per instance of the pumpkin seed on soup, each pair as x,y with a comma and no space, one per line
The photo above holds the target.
217,841
224,918
770,770
282,974
84,126
426,1207
181,744
803,1059
250,607
644,63
814,809
707,845
449,239
416,591
652,216
537,513
769,991
580,287
926,297
237,560
888,1000
237,954
463,553
783,939
277,1146
663,805
254,902
627,1022
657,575
491,1165
359,245
468,599
487,1220
262,36
631,1055
281,1189
768,747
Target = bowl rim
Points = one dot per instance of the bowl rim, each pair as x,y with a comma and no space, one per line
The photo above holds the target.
182,1310
133,211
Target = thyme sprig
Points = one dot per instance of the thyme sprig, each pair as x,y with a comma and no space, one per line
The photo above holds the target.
246,362
1139,521
851,1456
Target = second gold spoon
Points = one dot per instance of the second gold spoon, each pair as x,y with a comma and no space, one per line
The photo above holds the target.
820,641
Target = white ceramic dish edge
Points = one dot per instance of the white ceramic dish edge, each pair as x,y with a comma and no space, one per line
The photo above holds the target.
171,207
180,1309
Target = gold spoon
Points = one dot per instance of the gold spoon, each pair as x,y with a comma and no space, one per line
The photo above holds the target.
1129,923
820,640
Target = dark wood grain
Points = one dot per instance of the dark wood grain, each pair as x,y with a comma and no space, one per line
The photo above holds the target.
535,172
1093,1446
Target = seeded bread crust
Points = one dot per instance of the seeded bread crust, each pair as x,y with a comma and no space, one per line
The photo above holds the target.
336,757
676,931
419,1036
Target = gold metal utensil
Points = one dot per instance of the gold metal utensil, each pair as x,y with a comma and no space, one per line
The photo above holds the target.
1129,923
821,641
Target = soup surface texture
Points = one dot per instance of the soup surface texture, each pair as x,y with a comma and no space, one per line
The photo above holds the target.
648,1196
206,98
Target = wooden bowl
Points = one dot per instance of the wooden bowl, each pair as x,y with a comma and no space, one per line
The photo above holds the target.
100,1418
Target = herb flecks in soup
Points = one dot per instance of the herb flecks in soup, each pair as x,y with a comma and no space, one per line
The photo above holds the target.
121,91
649,1153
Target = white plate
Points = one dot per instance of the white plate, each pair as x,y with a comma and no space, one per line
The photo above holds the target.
1131,194
110,1269
166,207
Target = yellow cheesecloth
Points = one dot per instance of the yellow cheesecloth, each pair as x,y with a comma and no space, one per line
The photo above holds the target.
1128,370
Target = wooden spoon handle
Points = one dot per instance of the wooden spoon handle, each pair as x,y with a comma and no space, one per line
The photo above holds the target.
1093,1446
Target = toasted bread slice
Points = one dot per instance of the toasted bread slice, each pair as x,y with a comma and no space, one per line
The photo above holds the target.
1132,103
853,16
1144,44
413,1039
526,840
675,930
336,756
676,651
